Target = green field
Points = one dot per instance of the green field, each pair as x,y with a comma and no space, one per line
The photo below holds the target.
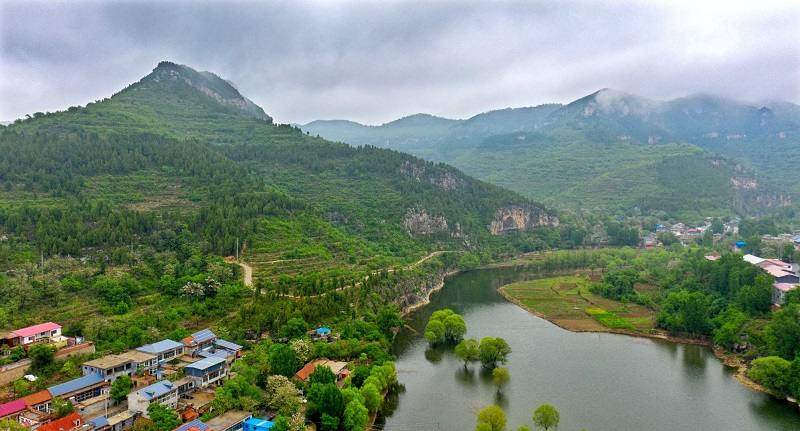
567,302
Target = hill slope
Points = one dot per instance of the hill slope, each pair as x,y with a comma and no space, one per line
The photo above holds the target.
612,149
371,206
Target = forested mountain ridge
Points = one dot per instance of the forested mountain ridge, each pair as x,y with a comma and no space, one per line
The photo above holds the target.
114,217
612,149
150,144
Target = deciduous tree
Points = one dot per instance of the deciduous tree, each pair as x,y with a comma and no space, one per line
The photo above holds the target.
546,416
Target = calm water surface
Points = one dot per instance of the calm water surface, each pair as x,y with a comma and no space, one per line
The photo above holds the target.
596,381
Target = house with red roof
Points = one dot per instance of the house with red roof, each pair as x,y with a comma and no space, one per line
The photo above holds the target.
69,422
12,410
43,333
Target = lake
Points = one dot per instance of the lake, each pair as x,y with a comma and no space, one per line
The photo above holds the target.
601,382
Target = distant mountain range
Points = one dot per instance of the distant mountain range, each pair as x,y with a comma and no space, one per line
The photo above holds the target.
612,149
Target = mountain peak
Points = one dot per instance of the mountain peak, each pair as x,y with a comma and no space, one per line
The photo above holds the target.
173,78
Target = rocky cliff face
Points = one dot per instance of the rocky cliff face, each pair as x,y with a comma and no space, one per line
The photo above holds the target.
443,180
512,217
419,222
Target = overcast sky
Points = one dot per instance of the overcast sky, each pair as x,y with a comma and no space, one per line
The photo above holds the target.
375,61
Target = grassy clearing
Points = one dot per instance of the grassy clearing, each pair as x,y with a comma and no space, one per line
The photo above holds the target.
608,319
566,301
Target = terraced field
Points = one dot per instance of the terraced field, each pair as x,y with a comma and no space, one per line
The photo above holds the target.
567,302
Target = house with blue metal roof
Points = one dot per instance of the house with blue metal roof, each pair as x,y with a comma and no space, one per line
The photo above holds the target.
163,392
207,371
165,350
256,424
81,389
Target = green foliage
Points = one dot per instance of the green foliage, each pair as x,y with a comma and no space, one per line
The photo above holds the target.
491,418
783,332
546,416
684,311
60,407
468,351
42,357
294,328
445,326
324,398
355,417
321,374
775,373
372,397
493,350
500,377
608,319
282,360
121,388
328,423
12,425
163,417
282,395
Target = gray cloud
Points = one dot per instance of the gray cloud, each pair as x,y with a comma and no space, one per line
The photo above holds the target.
374,61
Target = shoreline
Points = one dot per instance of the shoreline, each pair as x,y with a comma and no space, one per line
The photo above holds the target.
727,359
427,299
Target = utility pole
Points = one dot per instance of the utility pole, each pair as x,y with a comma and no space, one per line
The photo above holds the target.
237,249
42,261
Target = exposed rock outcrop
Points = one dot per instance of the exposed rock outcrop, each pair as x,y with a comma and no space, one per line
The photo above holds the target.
419,222
513,217
440,180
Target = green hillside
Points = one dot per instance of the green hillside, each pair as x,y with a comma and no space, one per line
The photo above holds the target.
613,150
133,200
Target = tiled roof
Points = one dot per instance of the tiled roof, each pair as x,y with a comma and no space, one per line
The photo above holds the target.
784,287
63,424
38,398
74,385
12,407
777,271
305,371
197,424
161,346
155,390
206,363
37,329
227,345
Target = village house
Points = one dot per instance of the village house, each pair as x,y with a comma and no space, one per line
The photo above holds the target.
256,424
163,350
123,420
113,366
80,389
72,421
164,393
33,419
12,410
207,371
229,421
43,333
198,341
206,344
338,368
40,401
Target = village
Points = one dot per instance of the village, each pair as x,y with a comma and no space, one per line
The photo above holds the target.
181,376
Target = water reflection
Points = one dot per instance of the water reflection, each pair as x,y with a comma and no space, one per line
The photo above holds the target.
433,355
597,381
466,377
